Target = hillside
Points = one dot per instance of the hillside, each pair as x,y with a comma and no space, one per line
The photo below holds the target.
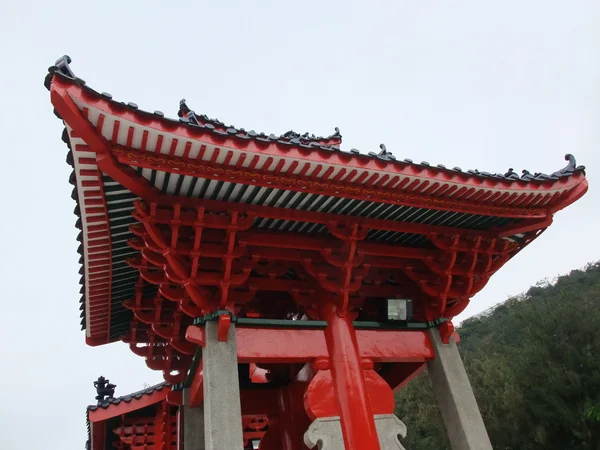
534,363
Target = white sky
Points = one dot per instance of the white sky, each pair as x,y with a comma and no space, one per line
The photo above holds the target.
477,84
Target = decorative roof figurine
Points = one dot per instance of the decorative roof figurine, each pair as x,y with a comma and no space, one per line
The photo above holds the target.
104,389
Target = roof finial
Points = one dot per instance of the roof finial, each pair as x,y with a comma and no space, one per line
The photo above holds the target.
511,174
384,153
104,389
290,135
183,108
570,167
185,114
63,61
572,164
61,66
526,175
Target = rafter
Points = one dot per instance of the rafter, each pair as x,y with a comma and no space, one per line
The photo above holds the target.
264,178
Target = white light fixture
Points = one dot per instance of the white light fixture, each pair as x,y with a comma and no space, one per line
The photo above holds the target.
399,309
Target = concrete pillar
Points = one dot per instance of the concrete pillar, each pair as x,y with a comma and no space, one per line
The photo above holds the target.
222,409
193,425
326,433
451,386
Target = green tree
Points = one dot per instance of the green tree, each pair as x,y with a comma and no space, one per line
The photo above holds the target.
592,420
534,363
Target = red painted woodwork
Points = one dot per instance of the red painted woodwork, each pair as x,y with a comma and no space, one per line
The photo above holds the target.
158,352
255,428
213,209
440,281
115,410
264,178
446,330
258,375
199,298
175,398
463,276
277,345
349,162
409,184
161,430
223,327
320,399
98,432
148,433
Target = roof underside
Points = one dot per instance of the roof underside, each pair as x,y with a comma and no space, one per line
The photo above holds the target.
201,188
120,206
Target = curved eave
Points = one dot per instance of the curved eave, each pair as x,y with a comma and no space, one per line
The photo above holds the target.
573,194
122,405
97,415
103,210
96,242
349,171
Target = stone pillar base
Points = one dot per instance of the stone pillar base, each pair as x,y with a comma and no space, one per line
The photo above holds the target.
326,432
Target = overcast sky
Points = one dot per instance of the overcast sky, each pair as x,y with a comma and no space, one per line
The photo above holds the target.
475,84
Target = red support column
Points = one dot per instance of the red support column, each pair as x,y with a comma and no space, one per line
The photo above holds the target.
358,424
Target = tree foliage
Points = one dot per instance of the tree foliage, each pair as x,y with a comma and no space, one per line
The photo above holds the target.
534,364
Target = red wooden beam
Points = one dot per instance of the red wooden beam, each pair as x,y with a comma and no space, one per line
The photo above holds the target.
309,285
215,219
98,435
279,345
255,242
526,226
318,244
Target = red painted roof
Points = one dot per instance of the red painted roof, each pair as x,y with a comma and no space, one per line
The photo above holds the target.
308,159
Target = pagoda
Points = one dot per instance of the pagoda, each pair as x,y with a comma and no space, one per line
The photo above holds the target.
279,283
